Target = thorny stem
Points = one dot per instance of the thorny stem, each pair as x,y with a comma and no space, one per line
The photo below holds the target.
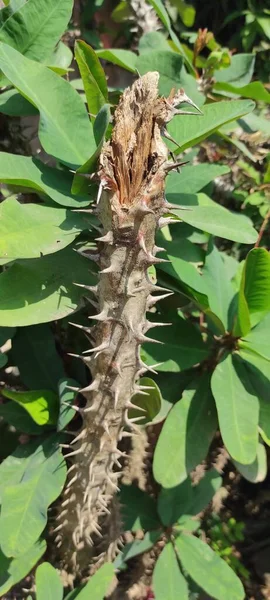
131,205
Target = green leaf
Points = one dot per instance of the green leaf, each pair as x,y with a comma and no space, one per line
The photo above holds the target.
186,11
153,40
15,105
17,416
240,71
183,347
41,366
33,230
258,371
193,178
31,173
242,323
139,510
190,130
25,504
258,339
65,131
256,471
150,403
176,455
41,405
66,396
23,460
209,216
97,586
168,581
37,25
93,76
177,504
164,17
238,409
48,583
137,547
208,570
255,285
172,73
46,287
219,290
123,58
13,570
254,90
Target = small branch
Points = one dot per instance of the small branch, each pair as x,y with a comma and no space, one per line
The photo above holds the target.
262,229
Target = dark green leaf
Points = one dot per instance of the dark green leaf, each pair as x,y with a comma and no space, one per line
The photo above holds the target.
16,416
13,570
153,40
65,131
238,409
93,76
168,581
240,71
151,403
137,547
48,583
15,105
208,570
139,509
218,288
41,405
256,471
258,371
258,339
6,333
255,285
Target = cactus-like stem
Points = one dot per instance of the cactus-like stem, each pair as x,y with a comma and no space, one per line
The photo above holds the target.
131,203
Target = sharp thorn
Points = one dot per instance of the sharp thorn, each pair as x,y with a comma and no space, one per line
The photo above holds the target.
151,300
90,288
109,269
107,238
99,348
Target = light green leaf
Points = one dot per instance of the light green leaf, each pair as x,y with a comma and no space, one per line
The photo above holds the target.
164,17
218,288
97,587
150,403
123,58
256,471
65,131
186,11
176,455
215,219
48,583
138,509
254,90
182,347
13,570
177,504
208,570
93,76
238,409
27,172
173,585
41,405
190,130
240,71
258,371
25,504
192,179
258,339
33,230
36,26
153,40
172,73
66,396
255,285
41,290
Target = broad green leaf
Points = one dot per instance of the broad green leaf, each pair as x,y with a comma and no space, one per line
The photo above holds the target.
177,503
183,258
258,371
258,339
176,455
41,366
48,583
153,40
14,104
41,290
41,405
80,184
190,130
137,547
61,57
97,587
66,396
150,403
193,178
93,76
208,570
238,409
25,504
123,58
240,71
17,416
255,284
172,73
33,230
254,90
256,471
13,570
182,347
27,172
242,323
37,25
209,216
138,509
164,17
218,288
65,131
168,581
